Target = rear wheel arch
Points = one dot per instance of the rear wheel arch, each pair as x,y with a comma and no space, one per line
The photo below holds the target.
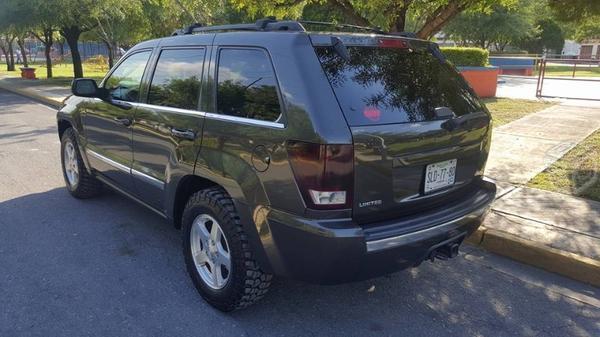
63,125
190,184
186,187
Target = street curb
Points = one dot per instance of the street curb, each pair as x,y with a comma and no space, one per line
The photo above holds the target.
33,95
571,265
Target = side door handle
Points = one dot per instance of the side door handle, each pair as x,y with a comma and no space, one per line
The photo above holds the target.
124,121
183,133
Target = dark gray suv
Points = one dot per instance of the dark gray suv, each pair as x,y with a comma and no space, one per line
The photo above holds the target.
323,157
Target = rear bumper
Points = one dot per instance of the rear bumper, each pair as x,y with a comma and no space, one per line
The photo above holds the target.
338,250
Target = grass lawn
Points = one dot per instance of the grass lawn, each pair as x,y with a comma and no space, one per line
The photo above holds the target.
565,70
577,173
62,73
505,110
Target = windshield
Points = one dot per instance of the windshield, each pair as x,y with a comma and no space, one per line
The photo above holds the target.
394,85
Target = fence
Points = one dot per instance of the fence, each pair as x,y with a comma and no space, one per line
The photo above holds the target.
568,87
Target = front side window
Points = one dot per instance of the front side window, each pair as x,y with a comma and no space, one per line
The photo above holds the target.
124,83
177,78
246,85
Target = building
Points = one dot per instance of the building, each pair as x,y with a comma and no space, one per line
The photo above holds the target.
590,49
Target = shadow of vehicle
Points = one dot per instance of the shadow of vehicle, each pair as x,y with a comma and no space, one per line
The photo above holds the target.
106,266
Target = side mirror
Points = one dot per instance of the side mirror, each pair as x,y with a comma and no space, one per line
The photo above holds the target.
85,87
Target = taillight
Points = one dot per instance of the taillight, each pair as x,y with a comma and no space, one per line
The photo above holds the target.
393,43
324,173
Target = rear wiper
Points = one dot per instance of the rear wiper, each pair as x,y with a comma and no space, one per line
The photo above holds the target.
340,48
434,49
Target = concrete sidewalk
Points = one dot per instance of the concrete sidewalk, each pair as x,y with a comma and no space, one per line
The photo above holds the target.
553,231
49,94
525,147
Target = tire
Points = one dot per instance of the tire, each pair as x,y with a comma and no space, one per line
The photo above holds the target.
244,282
80,183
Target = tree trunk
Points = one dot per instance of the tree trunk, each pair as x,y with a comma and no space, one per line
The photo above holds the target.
7,60
71,35
346,8
11,55
21,45
49,41
440,17
399,24
111,53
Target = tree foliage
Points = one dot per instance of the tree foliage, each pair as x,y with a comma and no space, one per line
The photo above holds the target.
547,36
499,27
390,15
575,10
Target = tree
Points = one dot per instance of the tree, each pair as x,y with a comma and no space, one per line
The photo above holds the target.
119,22
588,29
163,17
574,10
499,27
388,14
43,16
6,45
75,18
547,36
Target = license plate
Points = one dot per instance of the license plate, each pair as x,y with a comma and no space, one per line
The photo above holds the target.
440,175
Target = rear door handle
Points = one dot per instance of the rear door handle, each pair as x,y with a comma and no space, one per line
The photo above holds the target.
124,121
182,133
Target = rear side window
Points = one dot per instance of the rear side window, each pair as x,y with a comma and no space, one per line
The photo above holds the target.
246,85
394,85
176,80
124,82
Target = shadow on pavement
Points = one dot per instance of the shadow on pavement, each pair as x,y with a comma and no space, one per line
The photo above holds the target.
106,266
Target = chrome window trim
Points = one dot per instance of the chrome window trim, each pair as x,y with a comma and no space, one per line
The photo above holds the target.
170,109
244,120
108,161
211,115
151,180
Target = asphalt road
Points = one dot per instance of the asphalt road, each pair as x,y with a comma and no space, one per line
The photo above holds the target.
108,267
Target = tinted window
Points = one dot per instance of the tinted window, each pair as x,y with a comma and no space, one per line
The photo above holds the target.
176,80
394,85
246,85
124,82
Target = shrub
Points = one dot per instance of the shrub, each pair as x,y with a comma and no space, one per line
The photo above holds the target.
466,57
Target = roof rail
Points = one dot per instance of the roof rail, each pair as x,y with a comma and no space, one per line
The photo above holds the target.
266,24
270,24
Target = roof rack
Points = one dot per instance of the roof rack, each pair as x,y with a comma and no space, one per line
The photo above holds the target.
267,24
270,24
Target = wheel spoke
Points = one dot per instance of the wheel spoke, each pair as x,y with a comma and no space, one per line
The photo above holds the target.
215,233
203,232
222,257
214,274
220,279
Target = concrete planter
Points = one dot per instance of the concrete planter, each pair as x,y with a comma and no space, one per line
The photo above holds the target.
28,73
522,66
484,80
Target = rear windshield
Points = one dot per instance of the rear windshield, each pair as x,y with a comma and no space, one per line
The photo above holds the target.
394,85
